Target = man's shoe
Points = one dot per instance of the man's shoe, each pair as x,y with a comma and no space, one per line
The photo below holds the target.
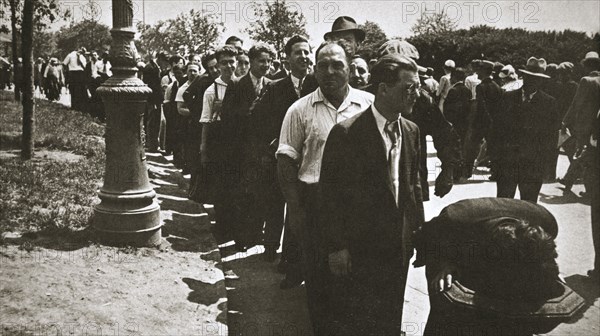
594,274
568,185
241,247
270,254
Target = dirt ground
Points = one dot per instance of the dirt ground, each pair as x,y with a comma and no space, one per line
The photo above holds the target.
69,286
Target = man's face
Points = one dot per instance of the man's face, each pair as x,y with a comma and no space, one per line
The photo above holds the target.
227,65
403,95
347,36
178,74
359,73
260,65
213,68
298,58
236,44
531,83
332,69
197,60
192,73
243,65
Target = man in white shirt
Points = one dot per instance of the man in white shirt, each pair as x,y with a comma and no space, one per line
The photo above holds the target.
445,85
303,134
75,63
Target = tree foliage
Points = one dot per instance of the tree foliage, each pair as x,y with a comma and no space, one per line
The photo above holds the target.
275,22
433,23
374,38
196,31
87,33
508,46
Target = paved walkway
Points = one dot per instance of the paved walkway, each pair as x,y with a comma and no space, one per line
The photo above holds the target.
258,307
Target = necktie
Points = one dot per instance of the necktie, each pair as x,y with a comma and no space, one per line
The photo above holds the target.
393,132
259,87
300,86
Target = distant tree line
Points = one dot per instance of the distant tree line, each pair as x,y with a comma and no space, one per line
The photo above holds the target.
508,46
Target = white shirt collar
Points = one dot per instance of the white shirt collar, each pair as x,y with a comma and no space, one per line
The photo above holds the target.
255,79
295,81
220,81
382,121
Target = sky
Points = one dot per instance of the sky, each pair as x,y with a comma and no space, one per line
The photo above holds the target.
394,17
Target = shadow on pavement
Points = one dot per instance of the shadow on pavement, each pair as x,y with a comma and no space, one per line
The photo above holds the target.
589,290
567,197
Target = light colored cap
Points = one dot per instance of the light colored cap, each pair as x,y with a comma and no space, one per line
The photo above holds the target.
450,64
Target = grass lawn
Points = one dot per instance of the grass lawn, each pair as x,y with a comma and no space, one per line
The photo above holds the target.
55,191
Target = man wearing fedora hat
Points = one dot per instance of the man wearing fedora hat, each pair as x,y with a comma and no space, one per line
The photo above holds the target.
344,29
527,124
582,118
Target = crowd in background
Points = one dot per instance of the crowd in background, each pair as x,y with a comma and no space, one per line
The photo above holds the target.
238,119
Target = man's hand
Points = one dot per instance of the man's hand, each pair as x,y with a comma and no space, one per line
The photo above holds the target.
444,278
444,183
340,263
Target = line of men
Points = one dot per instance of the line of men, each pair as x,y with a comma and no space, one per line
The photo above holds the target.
346,165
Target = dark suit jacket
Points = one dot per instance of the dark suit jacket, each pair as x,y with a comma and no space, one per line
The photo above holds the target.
456,107
527,133
151,77
488,95
309,84
270,109
430,120
194,95
582,114
359,210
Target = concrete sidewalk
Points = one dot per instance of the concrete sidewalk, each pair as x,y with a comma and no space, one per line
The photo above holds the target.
258,307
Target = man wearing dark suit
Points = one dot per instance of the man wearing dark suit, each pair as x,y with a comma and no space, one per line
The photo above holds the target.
456,107
582,119
267,115
482,118
527,123
190,129
237,133
372,205
430,120
152,77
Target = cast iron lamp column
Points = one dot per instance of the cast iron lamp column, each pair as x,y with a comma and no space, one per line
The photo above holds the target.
128,212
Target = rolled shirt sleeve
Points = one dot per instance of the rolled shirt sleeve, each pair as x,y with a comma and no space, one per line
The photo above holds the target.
292,134
207,102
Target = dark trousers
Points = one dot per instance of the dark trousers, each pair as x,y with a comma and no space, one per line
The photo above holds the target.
152,124
370,300
527,175
172,123
472,146
273,207
313,263
507,188
78,90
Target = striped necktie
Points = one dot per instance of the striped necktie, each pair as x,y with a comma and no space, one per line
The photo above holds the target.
393,132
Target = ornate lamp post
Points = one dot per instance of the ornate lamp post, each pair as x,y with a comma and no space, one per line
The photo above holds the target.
128,212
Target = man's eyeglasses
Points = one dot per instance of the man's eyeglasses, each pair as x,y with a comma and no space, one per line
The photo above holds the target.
413,89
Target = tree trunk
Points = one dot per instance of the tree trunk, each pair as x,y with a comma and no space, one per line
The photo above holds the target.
28,106
14,44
